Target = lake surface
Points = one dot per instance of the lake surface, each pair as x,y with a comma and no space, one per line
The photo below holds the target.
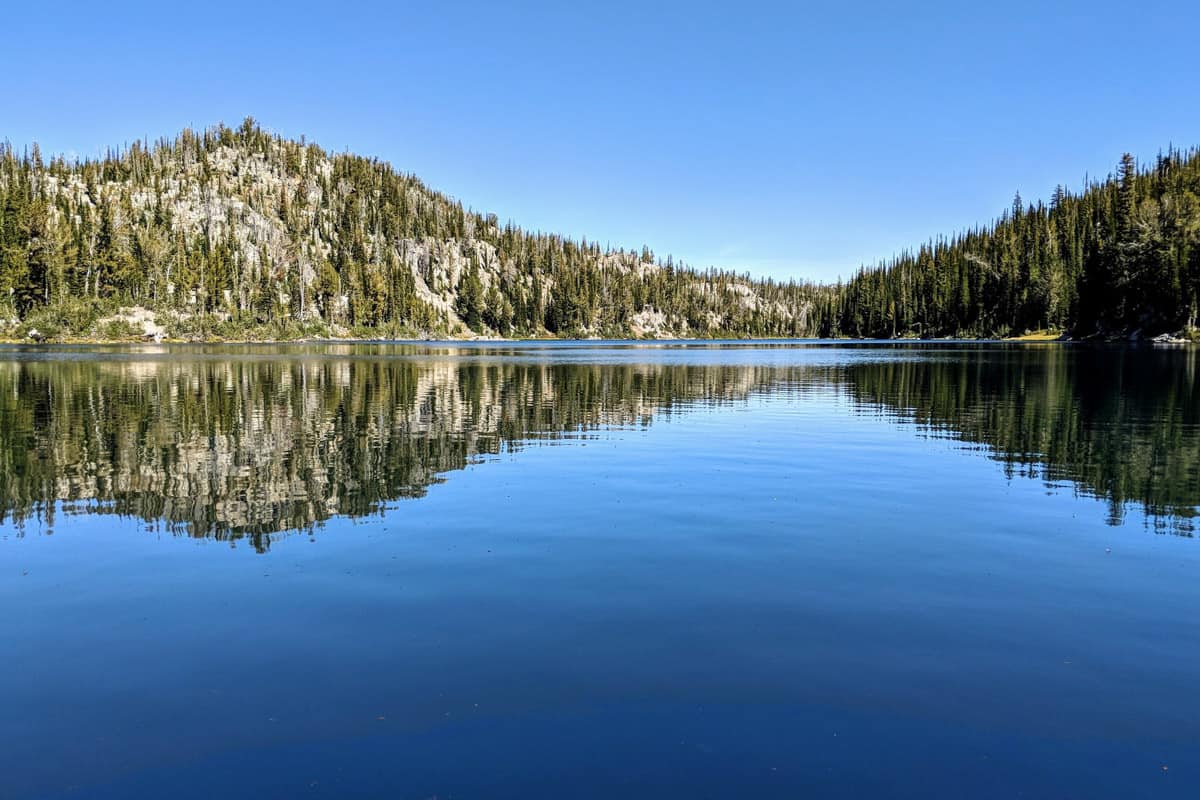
768,570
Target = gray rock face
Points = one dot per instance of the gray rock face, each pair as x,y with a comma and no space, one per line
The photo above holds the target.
312,234
1169,338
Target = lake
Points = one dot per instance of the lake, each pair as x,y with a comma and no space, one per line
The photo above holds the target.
596,570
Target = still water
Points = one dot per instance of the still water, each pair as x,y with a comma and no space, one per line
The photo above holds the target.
600,570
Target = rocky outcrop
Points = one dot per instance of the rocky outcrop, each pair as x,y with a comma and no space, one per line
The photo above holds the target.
243,225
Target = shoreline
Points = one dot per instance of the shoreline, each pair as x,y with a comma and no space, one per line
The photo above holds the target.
109,324
1034,338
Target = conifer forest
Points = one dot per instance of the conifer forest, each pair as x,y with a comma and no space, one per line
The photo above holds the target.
239,233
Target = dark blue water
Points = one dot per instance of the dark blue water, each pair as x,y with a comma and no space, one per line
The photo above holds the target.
599,571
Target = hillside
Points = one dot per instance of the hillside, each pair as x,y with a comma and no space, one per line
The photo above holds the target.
241,234
1120,258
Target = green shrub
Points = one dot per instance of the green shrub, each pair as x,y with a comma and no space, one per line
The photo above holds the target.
119,330
69,318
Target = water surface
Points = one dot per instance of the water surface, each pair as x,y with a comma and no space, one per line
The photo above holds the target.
599,569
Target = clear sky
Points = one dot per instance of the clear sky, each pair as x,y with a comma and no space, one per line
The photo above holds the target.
789,139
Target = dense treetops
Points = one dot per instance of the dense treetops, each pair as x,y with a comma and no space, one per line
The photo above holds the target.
239,232
1122,255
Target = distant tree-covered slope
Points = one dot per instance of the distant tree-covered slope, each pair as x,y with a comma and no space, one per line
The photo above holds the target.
236,228
1121,256
239,233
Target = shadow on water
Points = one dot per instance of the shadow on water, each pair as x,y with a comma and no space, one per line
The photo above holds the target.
260,443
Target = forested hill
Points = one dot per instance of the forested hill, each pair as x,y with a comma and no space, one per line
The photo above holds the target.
1122,256
235,232
239,233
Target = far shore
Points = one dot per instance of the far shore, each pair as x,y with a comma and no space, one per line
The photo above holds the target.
1039,337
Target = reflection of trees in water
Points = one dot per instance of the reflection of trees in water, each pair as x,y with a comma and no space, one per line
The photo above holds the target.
234,447
244,448
1120,424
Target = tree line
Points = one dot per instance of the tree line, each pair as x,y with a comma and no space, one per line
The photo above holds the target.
1120,256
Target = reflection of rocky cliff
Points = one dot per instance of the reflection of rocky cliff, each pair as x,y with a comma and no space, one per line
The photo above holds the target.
1120,424
260,442
243,447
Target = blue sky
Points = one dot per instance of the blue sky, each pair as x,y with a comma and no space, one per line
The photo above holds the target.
789,139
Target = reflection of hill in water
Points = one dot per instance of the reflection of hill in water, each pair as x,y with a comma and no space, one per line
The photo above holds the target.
1118,423
232,447
239,448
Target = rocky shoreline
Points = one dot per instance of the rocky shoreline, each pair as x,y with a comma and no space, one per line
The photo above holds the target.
140,325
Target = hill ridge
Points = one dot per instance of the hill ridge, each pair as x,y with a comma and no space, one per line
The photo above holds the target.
240,233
